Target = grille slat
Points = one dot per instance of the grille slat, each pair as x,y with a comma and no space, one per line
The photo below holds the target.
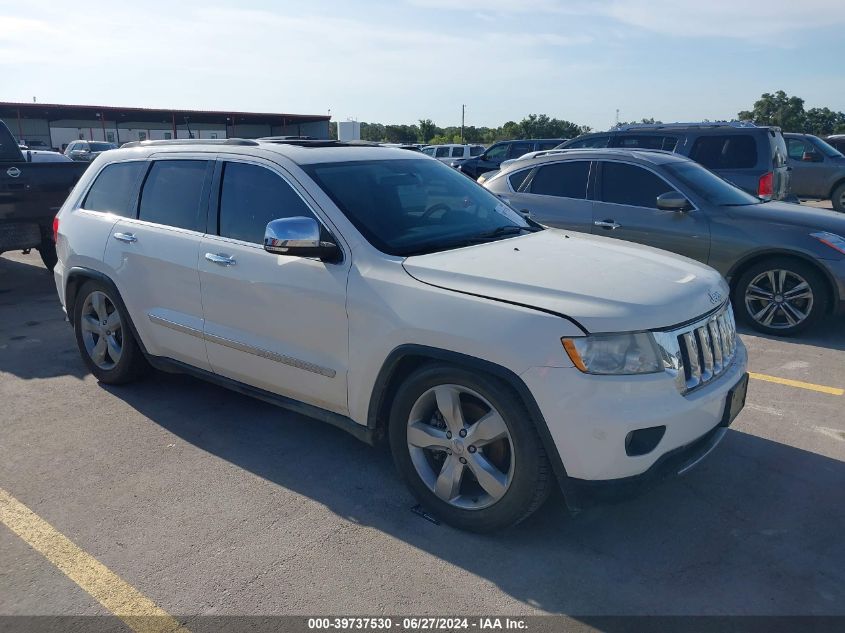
707,349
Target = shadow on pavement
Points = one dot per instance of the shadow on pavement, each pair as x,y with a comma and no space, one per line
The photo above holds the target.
756,529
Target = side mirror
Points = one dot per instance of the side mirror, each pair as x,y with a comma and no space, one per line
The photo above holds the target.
673,201
811,157
299,237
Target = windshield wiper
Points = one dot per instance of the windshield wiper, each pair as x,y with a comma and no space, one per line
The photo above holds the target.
509,229
501,231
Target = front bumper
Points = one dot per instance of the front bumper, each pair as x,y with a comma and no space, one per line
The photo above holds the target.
589,417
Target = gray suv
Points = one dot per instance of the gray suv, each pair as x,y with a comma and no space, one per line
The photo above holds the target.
750,156
818,169
785,263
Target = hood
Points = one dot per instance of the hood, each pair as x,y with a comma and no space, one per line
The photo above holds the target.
797,215
604,284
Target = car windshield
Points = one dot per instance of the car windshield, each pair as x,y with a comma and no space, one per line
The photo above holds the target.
827,149
709,186
415,206
102,147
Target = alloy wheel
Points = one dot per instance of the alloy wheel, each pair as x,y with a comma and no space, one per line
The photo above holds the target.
102,330
460,446
779,299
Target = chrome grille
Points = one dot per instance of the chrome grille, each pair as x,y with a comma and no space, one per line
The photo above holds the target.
700,352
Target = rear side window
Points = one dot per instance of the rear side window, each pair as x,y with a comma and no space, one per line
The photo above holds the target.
622,183
518,149
429,151
643,141
172,194
457,152
737,151
114,189
565,180
796,148
476,150
253,196
592,141
442,152
548,145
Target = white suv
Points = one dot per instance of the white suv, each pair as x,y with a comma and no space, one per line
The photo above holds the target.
449,152
391,296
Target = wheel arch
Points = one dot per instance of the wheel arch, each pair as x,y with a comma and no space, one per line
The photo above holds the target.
405,359
837,183
744,264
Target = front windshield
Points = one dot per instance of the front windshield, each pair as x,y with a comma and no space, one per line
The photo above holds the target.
709,186
827,149
412,206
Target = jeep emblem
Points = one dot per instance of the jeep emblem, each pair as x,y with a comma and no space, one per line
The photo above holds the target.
13,172
715,296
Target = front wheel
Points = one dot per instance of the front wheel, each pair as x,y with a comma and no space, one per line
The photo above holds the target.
468,449
780,296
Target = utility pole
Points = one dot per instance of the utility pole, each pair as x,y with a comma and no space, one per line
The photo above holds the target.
617,117
463,114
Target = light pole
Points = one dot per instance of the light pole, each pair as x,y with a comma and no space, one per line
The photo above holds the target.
463,114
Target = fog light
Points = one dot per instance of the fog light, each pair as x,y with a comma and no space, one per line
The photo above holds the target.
643,441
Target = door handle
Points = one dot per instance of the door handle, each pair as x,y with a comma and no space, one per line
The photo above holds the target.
125,237
607,224
221,259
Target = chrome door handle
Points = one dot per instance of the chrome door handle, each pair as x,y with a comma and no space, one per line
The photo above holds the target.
223,260
607,224
125,237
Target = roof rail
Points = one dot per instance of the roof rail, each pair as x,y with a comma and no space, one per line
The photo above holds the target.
192,141
669,126
316,142
286,138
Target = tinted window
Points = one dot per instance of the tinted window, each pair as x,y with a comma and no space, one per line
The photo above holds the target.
476,150
566,180
253,196
648,142
548,145
102,147
517,178
710,186
592,141
114,189
725,152
442,152
413,205
497,152
429,151
628,184
518,149
172,194
457,152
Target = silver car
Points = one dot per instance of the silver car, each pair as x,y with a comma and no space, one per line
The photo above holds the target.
785,262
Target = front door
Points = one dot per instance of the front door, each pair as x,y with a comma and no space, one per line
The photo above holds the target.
808,176
271,321
626,208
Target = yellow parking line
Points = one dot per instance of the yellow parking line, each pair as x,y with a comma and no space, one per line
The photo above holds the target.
137,611
835,391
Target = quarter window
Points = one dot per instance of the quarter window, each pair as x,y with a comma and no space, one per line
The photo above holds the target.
172,194
251,198
564,180
516,179
114,189
622,183
725,152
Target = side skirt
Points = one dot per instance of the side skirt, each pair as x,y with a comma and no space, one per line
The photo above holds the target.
359,431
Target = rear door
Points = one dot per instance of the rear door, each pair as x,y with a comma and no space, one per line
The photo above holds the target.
154,257
810,176
554,194
275,322
626,208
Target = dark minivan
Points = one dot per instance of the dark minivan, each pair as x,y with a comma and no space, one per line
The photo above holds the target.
493,157
752,157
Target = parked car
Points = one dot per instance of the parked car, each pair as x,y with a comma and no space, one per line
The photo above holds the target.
451,152
34,144
32,188
494,155
837,141
35,156
414,305
490,174
752,157
818,169
785,263
87,151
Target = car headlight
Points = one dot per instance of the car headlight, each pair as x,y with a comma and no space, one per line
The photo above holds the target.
836,242
633,353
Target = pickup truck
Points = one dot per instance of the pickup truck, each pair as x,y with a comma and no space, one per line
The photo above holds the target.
31,193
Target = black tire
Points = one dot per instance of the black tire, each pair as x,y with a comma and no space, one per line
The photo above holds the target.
47,250
131,364
780,324
837,198
531,477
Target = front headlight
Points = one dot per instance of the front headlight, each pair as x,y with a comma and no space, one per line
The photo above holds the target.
634,353
836,242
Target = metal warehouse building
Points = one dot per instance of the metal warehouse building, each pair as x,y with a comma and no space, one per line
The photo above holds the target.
57,125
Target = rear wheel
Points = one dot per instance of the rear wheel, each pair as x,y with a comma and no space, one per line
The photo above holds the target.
780,296
838,198
467,448
104,337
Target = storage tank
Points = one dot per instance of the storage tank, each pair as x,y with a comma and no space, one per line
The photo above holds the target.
348,131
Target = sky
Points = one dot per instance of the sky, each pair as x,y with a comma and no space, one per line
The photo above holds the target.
398,61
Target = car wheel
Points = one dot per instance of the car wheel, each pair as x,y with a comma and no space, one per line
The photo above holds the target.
104,337
47,250
467,448
838,198
780,296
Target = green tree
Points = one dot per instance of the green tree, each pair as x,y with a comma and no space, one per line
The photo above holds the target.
427,130
824,121
777,109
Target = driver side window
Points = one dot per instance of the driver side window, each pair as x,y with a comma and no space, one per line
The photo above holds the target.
252,196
